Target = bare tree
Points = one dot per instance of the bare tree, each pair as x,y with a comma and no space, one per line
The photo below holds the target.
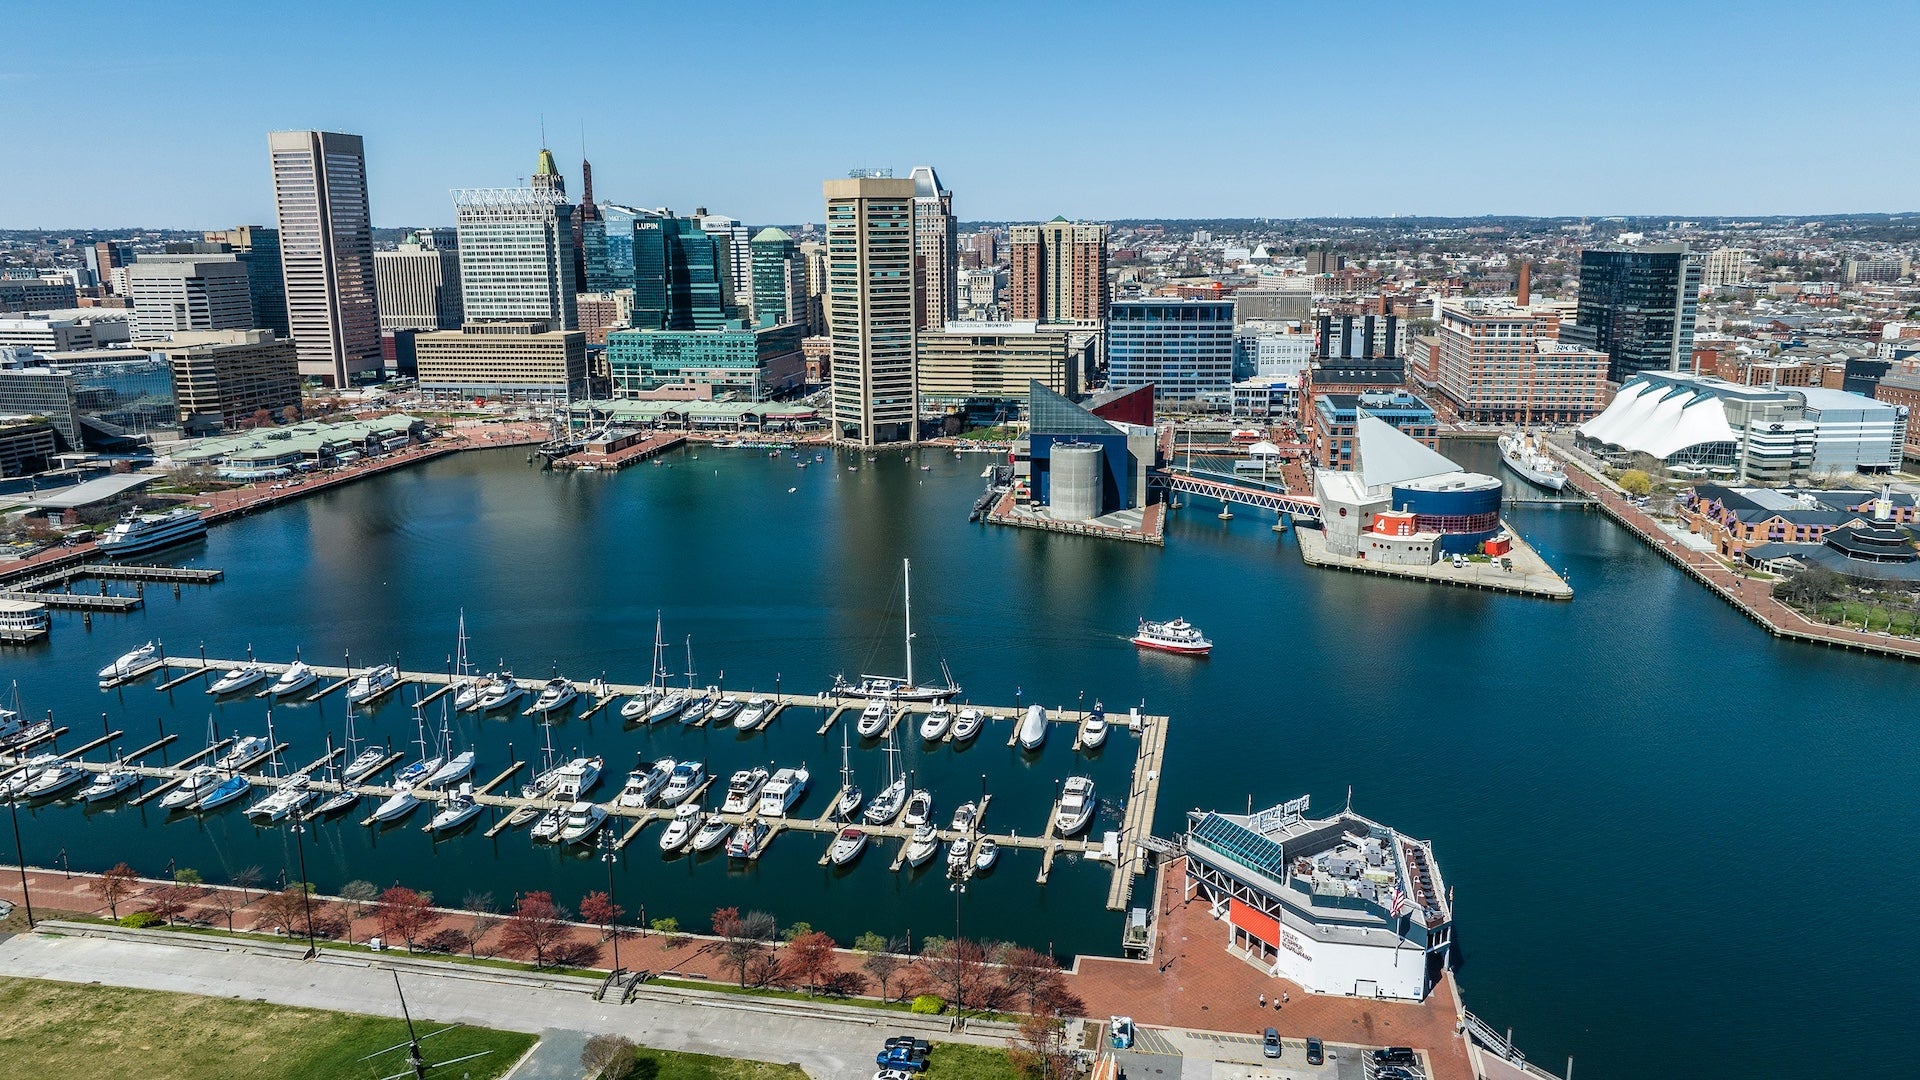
114,886
226,903
246,878
883,958
608,1057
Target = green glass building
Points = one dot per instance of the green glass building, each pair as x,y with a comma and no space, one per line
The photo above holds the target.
745,363
678,279
777,270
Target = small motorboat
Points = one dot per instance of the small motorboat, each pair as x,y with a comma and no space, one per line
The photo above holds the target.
645,782
397,806
919,808
128,663
458,767
667,707
873,719
746,840
680,830
583,820
686,778
959,854
333,804
293,680
635,709
887,805
937,720
966,724
712,833
364,765
55,779
110,783
1076,806
754,714
242,752
963,817
373,683
924,842
726,709
1033,729
504,692
985,854
237,679
547,829
743,790
233,787
557,693
460,808
1093,730
192,786
847,846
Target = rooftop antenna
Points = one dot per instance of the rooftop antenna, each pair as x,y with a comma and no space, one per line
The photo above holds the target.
543,131
417,1064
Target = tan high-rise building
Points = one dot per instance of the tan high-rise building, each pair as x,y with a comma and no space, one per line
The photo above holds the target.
1059,272
936,255
870,278
223,378
326,252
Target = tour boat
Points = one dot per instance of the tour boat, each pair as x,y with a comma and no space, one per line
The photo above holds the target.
1528,456
746,840
1093,730
505,691
681,828
293,680
919,808
137,534
1174,636
985,854
743,790
687,777
110,783
959,854
583,820
128,663
922,845
756,711
1033,729
198,781
873,718
892,689
937,721
55,779
886,806
373,683
233,787
1076,806
726,709
556,693
781,792
963,817
713,832
460,808
966,724
237,679
847,846
644,782
241,753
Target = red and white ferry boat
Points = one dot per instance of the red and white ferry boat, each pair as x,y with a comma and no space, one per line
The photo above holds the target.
1177,636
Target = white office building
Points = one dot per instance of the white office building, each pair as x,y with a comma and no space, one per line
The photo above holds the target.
173,293
516,256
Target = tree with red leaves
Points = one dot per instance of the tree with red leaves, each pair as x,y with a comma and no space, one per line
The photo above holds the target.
598,908
172,902
404,915
535,927
809,960
114,886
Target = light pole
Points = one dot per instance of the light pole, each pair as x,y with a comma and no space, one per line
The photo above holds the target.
306,891
610,854
13,807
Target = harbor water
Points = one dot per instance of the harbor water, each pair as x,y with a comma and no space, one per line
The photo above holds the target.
1666,830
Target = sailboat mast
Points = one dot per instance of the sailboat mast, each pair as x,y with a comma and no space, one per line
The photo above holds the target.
907,566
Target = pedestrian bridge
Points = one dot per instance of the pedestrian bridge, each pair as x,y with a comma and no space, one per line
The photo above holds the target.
1233,489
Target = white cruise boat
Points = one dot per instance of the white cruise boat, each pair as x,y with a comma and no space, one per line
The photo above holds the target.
743,790
198,781
637,707
755,712
681,828
1174,636
781,792
1076,806
460,808
1527,456
924,842
919,808
713,832
577,777
645,782
557,693
1033,729
1093,729
583,820
936,722
237,679
55,779
847,846
293,680
129,662
373,683
687,777
873,718
137,534
110,783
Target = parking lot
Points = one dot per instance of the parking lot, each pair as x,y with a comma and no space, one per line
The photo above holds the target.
1239,1057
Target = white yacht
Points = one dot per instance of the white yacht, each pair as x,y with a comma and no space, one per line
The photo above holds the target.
547,830
754,714
110,783
847,846
468,692
242,752
16,785
578,776
919,808
583,820
743,790
237,679
293,680
557,693
687,777
747,840
1093,729
713,832
924,842
1174,636
668,706
460,808
397,806
725,709
373,683
936,722
636,708
645,782
873,718
55,779
128,663
1033,729
886,806
681,828
985,854
288,798
781,792
959,854
1076,806
503,691
966,724
137,534
198,781
963,817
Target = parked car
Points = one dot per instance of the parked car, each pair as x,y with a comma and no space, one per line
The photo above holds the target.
1270,1044
1121,1031
1394,1055
1316,1051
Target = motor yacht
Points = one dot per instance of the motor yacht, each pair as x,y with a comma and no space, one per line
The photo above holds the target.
547,830
924,842
110,783
583,820
237,679
1093,729
686,778
935,723
197,782
1174,636
460,808
645,782
966,724
743,790
373,683
959,854
963,817
557,693
23,777
782,791
725,709
293,680
713,832
680,830
397,806
873,718
754,714
505,691
243,751
847,846
635,709
985,854
128,663
1076,806
55,779
746,840
919,808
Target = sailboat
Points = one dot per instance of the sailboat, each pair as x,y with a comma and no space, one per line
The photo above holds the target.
541,785
363,763
890,688
288,798
666,702
698,705
346,796
893,798
457,765
467,684
850,794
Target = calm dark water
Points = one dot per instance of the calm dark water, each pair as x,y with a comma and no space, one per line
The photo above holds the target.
1667,832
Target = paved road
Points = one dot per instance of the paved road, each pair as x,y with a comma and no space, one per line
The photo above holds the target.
826,1049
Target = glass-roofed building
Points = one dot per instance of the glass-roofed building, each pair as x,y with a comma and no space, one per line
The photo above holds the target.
1339,905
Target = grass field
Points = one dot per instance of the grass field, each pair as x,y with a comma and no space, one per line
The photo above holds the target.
664,1065
57,1031
962,1061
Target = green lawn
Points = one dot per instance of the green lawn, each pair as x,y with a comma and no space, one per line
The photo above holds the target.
666,1065
963,1061
57,1031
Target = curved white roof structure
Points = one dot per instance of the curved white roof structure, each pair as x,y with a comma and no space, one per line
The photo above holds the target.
1389,456
1661,418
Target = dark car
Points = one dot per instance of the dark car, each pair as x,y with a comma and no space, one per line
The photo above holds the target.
1394,1055
1270,1044
1316,1052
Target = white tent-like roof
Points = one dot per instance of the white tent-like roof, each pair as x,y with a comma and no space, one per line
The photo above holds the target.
1387,456
1660,419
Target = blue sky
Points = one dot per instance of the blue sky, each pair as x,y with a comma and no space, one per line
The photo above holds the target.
117,114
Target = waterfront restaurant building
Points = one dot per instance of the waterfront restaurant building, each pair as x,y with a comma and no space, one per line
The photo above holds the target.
1340,905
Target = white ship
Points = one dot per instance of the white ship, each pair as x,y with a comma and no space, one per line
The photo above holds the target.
1527,456
137,534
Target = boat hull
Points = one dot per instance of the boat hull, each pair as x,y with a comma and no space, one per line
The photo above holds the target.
1170,647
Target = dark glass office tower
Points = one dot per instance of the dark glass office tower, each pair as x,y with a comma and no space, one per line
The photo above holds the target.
676,275
1637,306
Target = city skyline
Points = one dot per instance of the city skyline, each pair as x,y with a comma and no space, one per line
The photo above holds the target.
1634,135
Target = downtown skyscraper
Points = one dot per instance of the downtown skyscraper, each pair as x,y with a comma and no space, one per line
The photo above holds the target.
870,276
1637,305
516,251
326,252
936,256
1059,272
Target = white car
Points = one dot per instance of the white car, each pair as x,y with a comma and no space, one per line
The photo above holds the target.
893,1074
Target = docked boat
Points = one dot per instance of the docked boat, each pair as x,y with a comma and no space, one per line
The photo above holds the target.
782,791
577,777
460,808
333,804
686,779
850,799
1527,456
966,724
547,830
583,820
288,798
680,830
746,840
698,706
397,806
23,777
467,693
892,689
197,782
55,779
556,694
873,718
293,680
373,683
364,765
713,832
635,709
725,709
1076,806
1033,728
237,679
137,534
417,772
645,782
128,663
847,846
936,722
963,817
233,787
919,808
1174,636
667,707
959,854
242,753
458,767
743,790
110,783
921,846
985,854
1093,729
887,805
754,714
503,691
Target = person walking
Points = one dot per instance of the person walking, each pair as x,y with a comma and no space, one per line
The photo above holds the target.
1263,1000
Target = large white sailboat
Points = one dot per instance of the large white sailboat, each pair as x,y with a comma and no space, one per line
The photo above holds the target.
893,689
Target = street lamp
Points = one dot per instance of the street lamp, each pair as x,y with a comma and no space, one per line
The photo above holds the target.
306,891
13,807
610,854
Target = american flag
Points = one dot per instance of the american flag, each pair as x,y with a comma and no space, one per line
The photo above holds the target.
1399,904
